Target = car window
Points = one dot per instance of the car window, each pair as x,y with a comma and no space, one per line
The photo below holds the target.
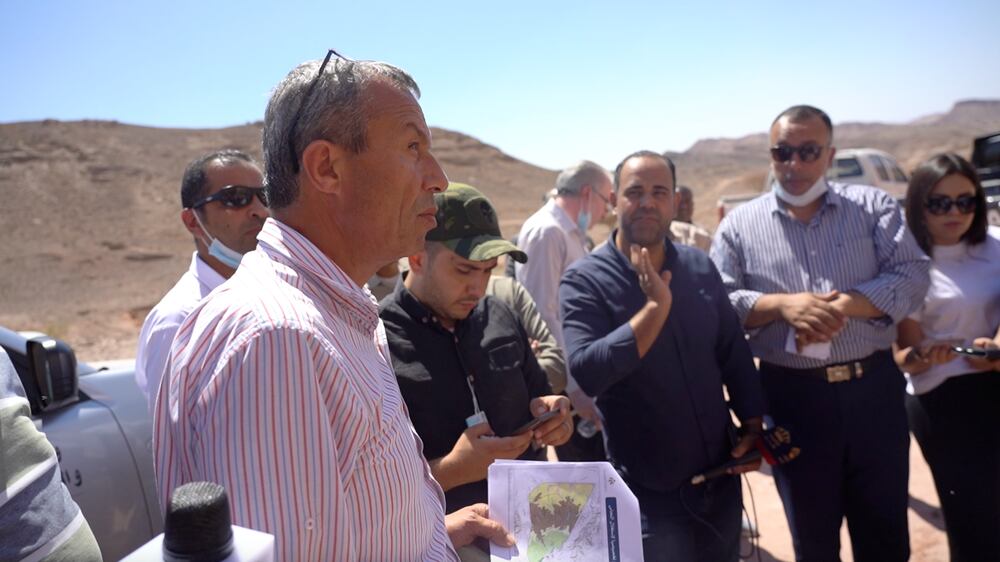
897,174
987,152
880,168
845,168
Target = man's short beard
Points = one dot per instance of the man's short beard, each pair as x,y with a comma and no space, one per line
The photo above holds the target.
630,238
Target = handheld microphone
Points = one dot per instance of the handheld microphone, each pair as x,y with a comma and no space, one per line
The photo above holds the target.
774,445
197,528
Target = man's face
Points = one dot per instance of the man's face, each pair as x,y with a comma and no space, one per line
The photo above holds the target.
452,285
795,175
235,227
684,201
600,198
391,185
645,200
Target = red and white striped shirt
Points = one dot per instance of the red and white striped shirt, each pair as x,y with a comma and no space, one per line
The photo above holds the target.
281,389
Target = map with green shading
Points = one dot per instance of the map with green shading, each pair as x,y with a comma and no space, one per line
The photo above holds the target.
554,508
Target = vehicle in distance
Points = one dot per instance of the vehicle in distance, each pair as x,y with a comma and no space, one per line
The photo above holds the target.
986,159
867,166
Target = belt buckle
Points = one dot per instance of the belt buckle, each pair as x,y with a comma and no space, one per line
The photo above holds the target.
838,373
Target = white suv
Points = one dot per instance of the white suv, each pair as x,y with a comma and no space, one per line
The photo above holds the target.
867,166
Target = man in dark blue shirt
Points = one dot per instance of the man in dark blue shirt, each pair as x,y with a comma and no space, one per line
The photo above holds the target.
651,333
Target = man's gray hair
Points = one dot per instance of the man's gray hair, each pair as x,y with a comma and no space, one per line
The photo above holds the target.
573,179
336,111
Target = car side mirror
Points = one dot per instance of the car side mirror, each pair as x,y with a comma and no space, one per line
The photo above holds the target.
48,373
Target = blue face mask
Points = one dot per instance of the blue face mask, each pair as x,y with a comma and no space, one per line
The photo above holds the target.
228,256
583,220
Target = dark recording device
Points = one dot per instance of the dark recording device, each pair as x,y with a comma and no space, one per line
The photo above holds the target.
774,446
988,354
533,424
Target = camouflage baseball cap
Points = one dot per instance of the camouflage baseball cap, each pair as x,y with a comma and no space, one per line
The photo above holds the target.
467,225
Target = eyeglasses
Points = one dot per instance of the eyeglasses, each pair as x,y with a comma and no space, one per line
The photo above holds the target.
233,197
941,204
607,202
305,100
807,153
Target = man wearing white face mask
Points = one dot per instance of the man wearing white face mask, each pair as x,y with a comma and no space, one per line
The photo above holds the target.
222,197
555,237
820,274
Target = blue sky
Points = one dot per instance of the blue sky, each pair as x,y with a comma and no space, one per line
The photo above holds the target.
548,82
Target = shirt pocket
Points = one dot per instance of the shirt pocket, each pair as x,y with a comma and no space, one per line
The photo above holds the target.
505,357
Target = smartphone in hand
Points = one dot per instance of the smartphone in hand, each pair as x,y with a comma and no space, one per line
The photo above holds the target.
533,424
988,354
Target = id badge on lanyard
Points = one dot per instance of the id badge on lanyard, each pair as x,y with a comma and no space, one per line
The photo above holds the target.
479,416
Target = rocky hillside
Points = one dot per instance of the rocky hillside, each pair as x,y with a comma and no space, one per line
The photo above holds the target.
92,237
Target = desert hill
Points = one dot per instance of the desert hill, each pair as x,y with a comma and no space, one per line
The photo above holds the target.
90,209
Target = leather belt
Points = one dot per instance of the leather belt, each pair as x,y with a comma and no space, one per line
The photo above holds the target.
840,372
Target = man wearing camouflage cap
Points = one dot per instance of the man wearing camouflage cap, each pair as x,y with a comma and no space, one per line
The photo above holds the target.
463,360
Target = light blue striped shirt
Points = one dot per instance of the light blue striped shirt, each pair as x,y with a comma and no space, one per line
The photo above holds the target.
857,241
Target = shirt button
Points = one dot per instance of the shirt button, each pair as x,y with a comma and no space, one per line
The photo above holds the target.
309,524
812,253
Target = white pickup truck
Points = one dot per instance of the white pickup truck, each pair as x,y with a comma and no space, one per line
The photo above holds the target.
96,418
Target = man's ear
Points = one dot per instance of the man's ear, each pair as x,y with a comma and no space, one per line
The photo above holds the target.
323,164
191,223
417,261
614,199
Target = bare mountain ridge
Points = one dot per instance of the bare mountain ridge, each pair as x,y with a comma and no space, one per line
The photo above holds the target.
90,208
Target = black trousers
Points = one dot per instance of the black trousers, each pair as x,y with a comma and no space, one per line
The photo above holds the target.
692,523
854,461
957,426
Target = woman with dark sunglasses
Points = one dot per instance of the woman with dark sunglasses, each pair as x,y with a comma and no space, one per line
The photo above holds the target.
954,399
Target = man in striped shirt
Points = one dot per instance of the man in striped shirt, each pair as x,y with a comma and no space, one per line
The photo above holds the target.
279,384
820,274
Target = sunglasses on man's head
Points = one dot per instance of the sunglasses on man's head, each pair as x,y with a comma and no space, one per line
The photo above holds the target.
305,99
807,153
941,204
233,197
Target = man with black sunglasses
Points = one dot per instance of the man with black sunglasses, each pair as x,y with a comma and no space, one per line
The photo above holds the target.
820,274
223,209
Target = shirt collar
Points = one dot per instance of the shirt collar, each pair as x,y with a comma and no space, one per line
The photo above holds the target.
284,244
204,273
